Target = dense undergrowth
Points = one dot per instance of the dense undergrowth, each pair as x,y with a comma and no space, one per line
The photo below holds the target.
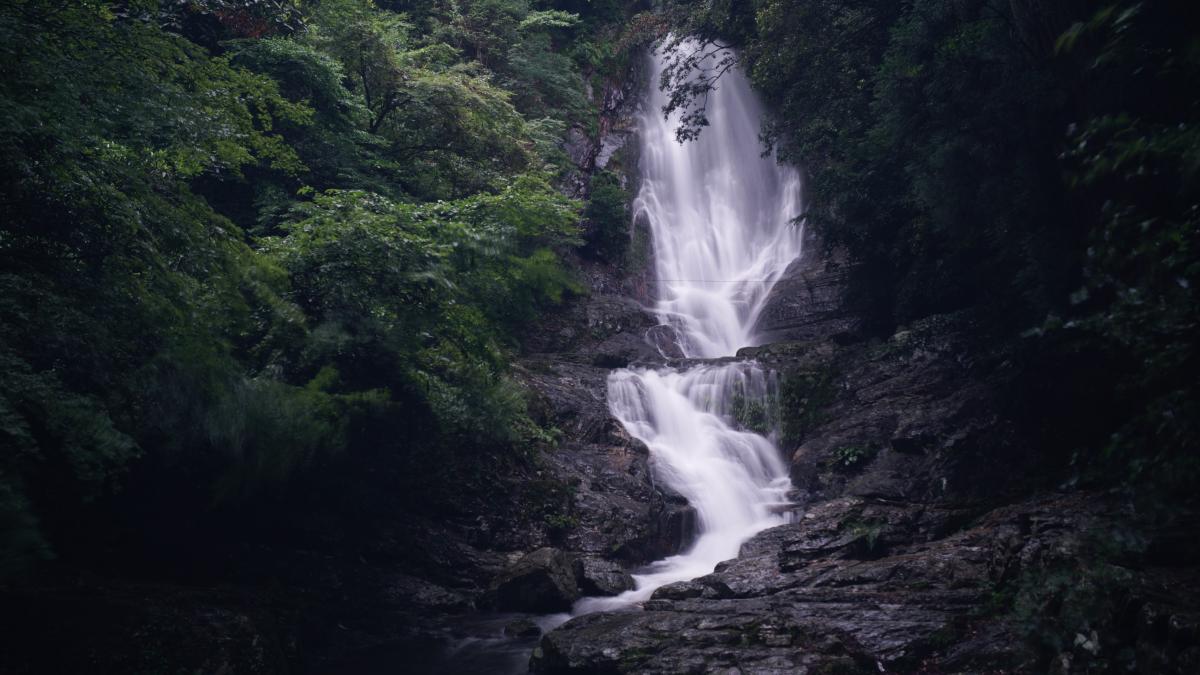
255,255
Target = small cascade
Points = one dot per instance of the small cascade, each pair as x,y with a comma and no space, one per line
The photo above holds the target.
735,479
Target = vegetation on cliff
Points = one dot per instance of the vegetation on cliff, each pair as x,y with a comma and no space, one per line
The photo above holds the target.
1037,159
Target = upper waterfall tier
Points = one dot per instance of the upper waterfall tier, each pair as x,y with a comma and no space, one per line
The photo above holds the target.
721,215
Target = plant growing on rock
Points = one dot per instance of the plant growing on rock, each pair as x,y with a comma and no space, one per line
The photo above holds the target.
853,456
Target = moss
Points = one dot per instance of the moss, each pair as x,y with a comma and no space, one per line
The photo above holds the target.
868,532
632,659
753,414
560,522
803,399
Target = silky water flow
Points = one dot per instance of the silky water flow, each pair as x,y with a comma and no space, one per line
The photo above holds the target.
721,215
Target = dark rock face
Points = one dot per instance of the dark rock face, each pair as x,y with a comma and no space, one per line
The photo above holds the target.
618,101
916,418
878,569
807,303
598,330
541,581
616,509
522,628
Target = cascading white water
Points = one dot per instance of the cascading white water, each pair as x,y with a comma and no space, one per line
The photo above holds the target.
721,216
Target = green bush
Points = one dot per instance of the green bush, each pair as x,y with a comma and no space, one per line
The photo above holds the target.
852,456
608,217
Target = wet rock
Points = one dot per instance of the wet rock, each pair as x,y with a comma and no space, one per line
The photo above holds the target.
597,576
541,581
665,339
572,398
680,590
730,639
617,509
911,419
522,628
607,316
600,324
406,589
674,529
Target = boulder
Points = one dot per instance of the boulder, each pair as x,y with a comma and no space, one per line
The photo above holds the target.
541,581
522,628
679,590
597,576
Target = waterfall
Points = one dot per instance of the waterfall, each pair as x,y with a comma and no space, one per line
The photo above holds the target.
720,216
720,213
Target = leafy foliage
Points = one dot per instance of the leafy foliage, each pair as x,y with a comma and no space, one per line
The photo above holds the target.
852,456
432,287
246,247
1135,163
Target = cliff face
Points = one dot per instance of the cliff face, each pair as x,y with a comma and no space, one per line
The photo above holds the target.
932,529
898,458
